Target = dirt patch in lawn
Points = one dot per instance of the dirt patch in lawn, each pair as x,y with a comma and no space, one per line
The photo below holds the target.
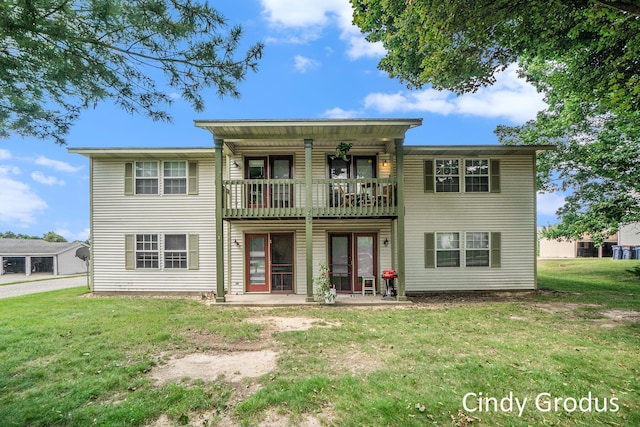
623,315
232,366
232,361
560,307
238,363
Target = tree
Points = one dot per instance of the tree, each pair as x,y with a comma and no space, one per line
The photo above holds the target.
12,235
58,57
582,54
50,236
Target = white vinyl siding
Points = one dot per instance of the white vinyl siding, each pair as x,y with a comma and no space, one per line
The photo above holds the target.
508,216
116,216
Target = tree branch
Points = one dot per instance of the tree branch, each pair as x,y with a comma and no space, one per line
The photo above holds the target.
633,8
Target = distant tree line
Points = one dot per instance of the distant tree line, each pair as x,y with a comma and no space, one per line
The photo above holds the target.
49,236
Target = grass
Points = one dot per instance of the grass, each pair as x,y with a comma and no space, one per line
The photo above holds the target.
66,360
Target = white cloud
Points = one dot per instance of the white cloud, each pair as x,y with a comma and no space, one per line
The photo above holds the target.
4,154
303,14
510,97
63,230
38,176
359,47
339,113
18,204
9,170
304,64
57,164
549,203
304,21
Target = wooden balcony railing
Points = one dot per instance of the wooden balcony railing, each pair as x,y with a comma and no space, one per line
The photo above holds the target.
286,198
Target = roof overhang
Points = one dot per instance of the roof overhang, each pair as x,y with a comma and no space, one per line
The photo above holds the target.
147,153
475,150
320,129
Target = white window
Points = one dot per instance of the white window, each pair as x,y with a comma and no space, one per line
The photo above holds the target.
146,177
476,176
175,251
477,249
147,251
448,249
175,178
447,176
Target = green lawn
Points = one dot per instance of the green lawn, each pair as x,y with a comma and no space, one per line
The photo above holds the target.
68,360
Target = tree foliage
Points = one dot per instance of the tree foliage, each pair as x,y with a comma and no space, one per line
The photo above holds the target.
50,236
582,54
58,57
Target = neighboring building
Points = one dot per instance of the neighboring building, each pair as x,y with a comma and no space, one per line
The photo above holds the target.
258,211
629,234
27,256
583,248
628,237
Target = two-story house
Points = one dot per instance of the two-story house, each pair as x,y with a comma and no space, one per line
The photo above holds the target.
258,211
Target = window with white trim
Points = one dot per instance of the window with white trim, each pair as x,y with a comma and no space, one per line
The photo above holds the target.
447,175
146,177
476,176
448,249
147,254
175,251
477,249
175,177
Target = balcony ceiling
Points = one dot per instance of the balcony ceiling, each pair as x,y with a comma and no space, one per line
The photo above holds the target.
298,130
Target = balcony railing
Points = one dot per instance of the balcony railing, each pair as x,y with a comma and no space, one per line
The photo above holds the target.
286,198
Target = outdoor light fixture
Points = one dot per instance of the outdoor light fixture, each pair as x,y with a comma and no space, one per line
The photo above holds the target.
235,242
235,164
386,242
385,163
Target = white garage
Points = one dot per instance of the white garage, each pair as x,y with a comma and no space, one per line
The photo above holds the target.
26,256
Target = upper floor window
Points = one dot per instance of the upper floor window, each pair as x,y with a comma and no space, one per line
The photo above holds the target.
167,177
476,176
175,177
146,177
446,176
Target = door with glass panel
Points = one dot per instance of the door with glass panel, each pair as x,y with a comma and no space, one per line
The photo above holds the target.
269,262
256,169
352,256
281,262
281,193
365,259
256,262
340,261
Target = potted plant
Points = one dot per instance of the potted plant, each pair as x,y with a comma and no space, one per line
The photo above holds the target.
324,289
342,150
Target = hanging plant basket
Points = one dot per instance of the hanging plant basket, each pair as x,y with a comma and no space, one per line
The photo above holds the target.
342,150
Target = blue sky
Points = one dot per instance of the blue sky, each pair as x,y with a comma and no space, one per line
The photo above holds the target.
316,64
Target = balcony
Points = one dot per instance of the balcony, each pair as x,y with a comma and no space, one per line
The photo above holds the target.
331,198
